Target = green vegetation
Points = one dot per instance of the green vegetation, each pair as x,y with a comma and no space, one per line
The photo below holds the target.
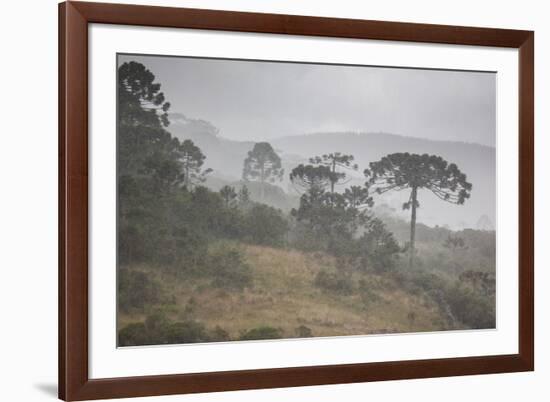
226,266
401,171
264,165
158,329
136,289
198,264
261,333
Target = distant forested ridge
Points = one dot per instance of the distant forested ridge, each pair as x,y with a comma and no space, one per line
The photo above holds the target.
366,147
221,240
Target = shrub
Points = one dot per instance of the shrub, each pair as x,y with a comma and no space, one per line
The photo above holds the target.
303,332
133,335
472,308
136,290
265,225
165,230
481,282
259,333
377,248
301,237
367,294
160,330
218,334
426,282
227,267
339,283
185,332
156,325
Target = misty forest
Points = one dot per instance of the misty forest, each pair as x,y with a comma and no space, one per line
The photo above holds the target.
222,240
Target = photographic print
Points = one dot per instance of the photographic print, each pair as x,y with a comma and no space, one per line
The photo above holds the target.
261,200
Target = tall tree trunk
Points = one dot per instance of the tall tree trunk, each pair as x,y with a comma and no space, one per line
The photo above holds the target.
186,174
262,181
413,227
332,183
332,180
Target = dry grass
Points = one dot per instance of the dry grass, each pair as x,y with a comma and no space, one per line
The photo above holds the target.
283,295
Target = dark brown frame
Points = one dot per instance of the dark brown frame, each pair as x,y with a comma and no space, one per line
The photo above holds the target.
74,383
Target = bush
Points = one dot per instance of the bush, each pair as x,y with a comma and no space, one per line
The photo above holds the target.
226,265
419,281
377,250
133,335
160,330
472,308
339,283
259,333
459,300
303,238
157,325
367,294
303,332
158,229
265,225
184,332
218,334
136,290
359,240
481,282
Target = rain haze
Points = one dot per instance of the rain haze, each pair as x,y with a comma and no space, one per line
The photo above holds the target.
305,110
272,200
281,99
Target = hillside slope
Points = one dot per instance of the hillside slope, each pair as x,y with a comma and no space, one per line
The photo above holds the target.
283,295
226,158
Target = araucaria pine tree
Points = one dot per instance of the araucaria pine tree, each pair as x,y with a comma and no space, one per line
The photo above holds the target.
263,165
229,196
192,159
243,197
400,171
337,163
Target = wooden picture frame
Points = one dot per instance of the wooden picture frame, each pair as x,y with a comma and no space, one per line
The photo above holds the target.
74,381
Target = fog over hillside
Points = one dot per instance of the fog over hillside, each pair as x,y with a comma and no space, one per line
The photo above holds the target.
244,213
226,158
476,161
264,100
305,109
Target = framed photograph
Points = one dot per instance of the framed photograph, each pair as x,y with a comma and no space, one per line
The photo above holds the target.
259,200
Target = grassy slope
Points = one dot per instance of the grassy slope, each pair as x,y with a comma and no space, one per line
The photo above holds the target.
284,295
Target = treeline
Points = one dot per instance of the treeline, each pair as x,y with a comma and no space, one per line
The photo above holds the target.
168,219
165,215
339,222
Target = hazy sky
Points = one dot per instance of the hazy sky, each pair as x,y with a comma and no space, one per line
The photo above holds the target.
263,100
